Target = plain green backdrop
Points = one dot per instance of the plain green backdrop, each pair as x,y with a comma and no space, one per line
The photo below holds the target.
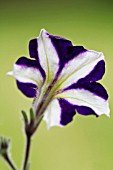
87,142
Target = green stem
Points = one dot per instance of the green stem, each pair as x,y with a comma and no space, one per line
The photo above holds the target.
27,151
42,102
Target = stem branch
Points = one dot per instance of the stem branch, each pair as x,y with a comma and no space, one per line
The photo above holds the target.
8,160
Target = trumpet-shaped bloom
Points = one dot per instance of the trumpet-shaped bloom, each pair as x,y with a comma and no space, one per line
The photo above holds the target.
62,78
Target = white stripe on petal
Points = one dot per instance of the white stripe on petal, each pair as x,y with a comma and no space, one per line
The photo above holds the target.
52,114
27,74
48,56
79,67
82,97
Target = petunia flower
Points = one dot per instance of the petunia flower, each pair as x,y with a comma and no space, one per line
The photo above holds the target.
62,79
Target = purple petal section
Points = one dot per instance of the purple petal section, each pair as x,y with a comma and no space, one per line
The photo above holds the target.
96,74
27,62
67,111
93,87
33,45
84,110
61,46
73,51
28,89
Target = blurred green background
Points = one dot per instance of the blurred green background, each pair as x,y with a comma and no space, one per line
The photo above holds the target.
87,142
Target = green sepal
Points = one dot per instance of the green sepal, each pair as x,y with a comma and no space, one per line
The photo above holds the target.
25,116
32,115
39,120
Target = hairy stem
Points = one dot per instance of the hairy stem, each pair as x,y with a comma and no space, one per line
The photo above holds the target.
27,151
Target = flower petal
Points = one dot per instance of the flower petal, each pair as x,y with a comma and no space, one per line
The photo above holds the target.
93,87
85,110
59,113
92,96
52,114
97,72
28,76
85,65
33,49
67,111
46,54
63,47
50,52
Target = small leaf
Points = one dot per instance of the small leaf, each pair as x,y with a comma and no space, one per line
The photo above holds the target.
32,115
25,116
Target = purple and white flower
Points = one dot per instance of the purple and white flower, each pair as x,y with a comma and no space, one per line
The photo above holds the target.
62,79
